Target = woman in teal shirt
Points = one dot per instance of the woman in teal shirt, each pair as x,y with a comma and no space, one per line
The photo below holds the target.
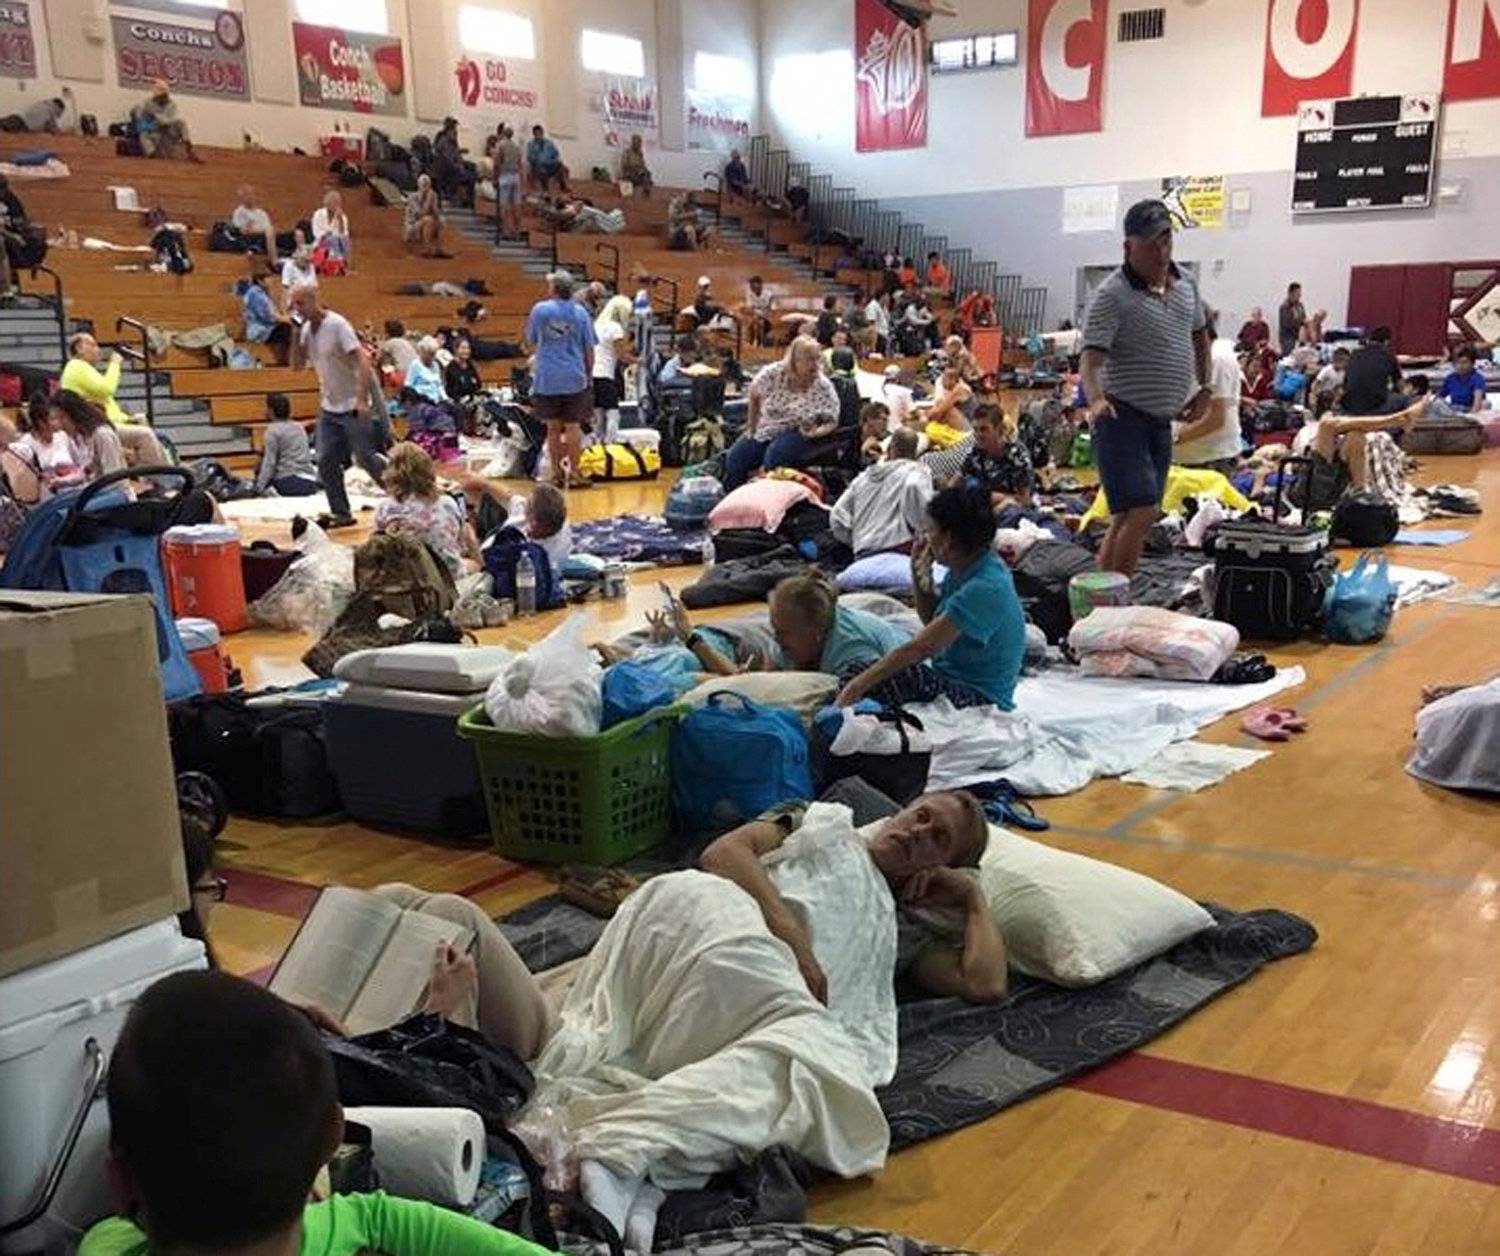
975,636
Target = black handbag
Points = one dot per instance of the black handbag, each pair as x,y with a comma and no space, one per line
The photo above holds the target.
901,776
1364,519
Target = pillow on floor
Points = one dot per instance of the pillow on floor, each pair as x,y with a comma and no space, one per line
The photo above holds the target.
878,572
759,504
804,692
1073,920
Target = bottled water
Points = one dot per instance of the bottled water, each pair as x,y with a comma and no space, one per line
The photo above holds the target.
525,586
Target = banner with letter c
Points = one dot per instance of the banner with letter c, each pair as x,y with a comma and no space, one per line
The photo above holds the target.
1065,42
890,81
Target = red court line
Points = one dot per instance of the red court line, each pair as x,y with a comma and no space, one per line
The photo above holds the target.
1353,1125
1368,1129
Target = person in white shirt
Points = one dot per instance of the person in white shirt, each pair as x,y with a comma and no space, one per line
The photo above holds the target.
876,333
611,353
885,508
330,228
1214,441
1328,383
298,268
249,219
898,397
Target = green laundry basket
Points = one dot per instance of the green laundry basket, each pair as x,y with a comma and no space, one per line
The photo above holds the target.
595,800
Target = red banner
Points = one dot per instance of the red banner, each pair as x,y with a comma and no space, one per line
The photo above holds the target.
1309,53
349,70
890,81
1472,69
1065,42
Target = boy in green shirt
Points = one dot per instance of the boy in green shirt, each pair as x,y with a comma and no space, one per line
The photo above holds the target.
223,1108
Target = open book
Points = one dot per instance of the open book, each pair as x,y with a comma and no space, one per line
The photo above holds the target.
363,959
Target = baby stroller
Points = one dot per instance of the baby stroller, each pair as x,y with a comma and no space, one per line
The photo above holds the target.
97,540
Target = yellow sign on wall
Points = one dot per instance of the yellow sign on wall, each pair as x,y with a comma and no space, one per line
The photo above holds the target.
1195,200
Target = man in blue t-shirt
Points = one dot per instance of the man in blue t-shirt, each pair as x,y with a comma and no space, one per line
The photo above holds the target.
562,337
544,163
1463,389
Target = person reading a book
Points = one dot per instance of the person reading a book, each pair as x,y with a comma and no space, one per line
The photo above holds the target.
362,961
223,1108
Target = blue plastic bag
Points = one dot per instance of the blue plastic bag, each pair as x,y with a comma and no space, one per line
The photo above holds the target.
632,689
1359,606
732,759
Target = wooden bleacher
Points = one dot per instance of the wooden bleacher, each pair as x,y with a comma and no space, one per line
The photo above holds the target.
290,187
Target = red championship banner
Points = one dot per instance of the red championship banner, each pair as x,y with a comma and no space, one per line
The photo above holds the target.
890,81
1309,53
1065,42
349,70
1472,68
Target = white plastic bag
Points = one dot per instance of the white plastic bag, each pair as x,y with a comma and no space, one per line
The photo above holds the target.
553,690
313,591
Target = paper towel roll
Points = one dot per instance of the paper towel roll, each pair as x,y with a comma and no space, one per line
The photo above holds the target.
426,1153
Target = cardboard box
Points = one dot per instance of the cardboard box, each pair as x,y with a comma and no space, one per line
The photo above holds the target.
90,844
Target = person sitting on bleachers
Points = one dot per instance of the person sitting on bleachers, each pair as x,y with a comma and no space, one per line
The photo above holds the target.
461,378
160,127
94,439
38,459
298,266
828,321
416,508
252,221
683,232
939,282
453,176
422,218
737,177
330,228
581,215
921,326
287,464
633,167
397,351
759,307
544,164
424,377
263,324
82,376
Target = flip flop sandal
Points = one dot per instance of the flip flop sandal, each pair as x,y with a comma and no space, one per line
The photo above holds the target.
598,891
1005,806
1273,723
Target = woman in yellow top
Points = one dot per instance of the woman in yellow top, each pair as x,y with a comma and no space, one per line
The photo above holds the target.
82,376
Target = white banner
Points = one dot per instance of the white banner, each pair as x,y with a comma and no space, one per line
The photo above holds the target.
629,107
717,123
491,90
1093,207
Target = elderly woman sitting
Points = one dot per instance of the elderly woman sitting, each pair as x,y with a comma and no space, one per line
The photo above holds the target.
424,377
422,219
330,228
792,404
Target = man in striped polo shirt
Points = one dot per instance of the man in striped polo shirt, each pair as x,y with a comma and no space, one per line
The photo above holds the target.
1145,363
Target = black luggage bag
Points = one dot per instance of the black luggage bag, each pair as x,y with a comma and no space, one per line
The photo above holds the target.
1270,578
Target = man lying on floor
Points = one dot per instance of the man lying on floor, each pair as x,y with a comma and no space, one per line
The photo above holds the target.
752,1004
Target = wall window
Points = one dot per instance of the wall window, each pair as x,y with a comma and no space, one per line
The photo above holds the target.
496,32
368,16
613,54
724,76
974,52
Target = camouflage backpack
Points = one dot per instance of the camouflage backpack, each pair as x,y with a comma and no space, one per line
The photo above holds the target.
404,577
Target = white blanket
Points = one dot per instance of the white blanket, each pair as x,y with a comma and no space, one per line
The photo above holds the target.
289,507
689,1042
1068,729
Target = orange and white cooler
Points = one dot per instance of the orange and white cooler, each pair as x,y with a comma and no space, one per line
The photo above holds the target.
204,576
200,638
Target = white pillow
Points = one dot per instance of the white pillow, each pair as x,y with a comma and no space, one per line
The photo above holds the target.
1074,920
804,692
435,667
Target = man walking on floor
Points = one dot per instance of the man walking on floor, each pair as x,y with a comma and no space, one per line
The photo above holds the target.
562,335
348,387
1145,363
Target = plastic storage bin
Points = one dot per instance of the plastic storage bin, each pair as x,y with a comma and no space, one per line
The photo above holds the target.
204,575
58,1024
400,762
596,800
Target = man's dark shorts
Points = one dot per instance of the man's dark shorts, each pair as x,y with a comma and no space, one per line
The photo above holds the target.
1132,452
564,407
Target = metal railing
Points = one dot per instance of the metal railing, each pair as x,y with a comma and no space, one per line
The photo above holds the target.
59,306
1031,309
143,356
1007,291
614,265
664,281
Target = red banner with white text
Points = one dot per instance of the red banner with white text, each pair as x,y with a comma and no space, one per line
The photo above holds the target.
1309,53
890,81
1472,68
1065,41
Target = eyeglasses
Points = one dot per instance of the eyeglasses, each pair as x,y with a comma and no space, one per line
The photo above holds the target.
216,888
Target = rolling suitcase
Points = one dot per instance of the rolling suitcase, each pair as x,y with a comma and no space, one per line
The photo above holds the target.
1270,578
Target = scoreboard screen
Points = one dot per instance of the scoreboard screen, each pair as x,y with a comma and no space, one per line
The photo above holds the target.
1366,152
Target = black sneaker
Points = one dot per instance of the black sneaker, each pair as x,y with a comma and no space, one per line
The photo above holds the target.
339,521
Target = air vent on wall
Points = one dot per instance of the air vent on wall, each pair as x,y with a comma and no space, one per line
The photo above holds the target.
1138,24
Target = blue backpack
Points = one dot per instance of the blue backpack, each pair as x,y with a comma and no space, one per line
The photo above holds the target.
691,501
732,759
500,559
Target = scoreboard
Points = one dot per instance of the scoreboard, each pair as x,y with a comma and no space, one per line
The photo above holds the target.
1366,152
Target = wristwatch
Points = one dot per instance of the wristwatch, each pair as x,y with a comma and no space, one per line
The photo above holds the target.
693,639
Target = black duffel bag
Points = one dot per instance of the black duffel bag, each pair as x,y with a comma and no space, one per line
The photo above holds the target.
1364,519
901,775
269,760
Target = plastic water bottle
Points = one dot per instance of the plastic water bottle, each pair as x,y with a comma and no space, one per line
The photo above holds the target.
525,586
708,550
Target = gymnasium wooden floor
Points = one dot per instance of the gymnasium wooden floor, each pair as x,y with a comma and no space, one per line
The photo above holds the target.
1343,1101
